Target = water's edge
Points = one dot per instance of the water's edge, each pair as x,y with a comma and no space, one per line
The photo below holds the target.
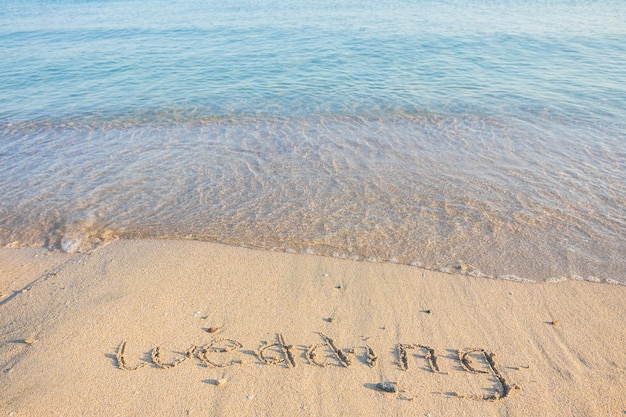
456,268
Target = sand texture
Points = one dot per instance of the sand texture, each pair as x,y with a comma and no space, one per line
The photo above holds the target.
191,328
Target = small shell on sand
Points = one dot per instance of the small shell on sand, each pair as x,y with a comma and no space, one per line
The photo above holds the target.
554,322
387,386
30,341
220,382
212,329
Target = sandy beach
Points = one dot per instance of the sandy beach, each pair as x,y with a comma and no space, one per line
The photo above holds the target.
193,328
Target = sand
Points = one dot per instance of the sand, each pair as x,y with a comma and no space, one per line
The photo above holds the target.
222,331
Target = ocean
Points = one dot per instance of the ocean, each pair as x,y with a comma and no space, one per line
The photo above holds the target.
484,137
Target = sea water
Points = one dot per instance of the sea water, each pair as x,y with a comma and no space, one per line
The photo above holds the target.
485,137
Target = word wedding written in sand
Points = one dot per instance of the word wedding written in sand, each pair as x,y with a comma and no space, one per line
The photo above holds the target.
225,352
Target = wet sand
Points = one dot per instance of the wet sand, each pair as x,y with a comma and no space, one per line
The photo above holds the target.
193,328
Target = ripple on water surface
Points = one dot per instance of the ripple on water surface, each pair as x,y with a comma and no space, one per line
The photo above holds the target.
476,195
484,137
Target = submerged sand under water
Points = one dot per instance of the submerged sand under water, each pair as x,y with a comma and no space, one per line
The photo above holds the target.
500,197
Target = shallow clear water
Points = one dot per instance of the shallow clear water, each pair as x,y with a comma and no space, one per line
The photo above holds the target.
486,137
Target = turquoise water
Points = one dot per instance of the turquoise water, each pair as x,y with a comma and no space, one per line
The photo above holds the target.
488,134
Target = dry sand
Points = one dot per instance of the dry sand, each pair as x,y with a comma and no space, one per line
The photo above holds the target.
558,349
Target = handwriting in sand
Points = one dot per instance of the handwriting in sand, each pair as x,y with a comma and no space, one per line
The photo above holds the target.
226,352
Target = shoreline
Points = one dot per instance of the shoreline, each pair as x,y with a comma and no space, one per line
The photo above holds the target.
95,242
74,326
